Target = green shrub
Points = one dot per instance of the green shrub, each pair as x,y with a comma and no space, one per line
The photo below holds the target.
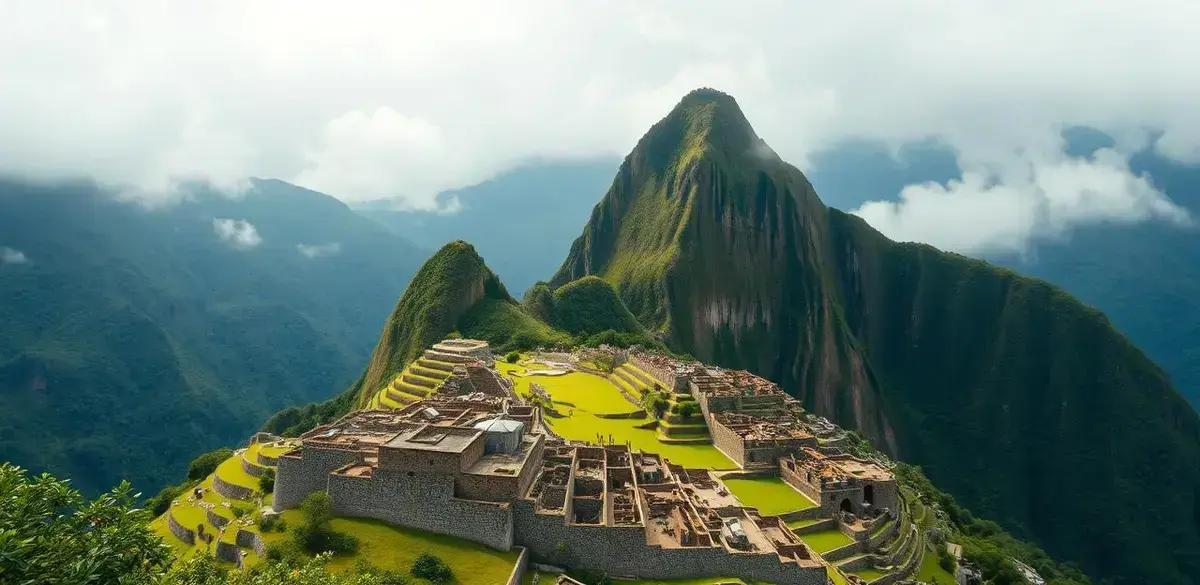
315,535
512,357
162,501
429,566
686,409
207,463
266,482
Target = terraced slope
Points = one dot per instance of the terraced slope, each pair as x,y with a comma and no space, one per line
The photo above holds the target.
228,508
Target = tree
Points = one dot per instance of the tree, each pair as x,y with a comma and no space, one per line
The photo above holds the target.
687,408
316,535
202,466
49,533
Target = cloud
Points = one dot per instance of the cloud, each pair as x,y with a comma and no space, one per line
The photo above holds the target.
984,212
370,99
238,233
319,250
12,256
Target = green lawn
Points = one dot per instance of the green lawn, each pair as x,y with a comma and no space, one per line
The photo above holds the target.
826,540
231,471
770,495
394,547
579,396
930,572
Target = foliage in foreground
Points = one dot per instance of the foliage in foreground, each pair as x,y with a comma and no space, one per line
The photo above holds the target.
50,534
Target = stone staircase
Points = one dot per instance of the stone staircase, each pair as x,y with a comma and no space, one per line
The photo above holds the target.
420,379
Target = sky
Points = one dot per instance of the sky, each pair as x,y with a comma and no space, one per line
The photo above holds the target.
369,100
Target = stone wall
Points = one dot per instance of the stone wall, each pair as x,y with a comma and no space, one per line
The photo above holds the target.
426,502
727,441
298,475
252,469
231,491
230,553
252,540
216,519
493,488
182,533
429,461
623,551
520,567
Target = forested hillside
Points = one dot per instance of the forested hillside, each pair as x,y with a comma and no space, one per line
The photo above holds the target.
136,338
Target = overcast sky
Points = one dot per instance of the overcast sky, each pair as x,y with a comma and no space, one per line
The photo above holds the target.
395,99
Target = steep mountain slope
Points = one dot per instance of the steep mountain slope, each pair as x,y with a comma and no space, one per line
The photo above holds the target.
453,292
134,338
1020,401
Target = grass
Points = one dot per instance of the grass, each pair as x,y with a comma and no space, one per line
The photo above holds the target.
231,471
931,572
825,540
869,575
798,524
393,547
578,397
770,495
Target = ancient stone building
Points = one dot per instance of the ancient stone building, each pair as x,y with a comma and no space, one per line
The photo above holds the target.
841,483
479,468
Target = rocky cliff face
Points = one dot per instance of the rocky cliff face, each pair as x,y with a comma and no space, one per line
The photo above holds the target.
1022,402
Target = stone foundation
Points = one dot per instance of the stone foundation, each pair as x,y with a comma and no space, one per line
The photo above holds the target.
426,502
623,551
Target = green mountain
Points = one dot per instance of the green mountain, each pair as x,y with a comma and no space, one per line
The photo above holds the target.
454,292
586,306
135,338
1023,403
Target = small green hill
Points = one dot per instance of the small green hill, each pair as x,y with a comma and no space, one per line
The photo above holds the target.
582,307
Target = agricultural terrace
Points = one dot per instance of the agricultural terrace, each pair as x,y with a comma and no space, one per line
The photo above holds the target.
381,544
770,495
584,405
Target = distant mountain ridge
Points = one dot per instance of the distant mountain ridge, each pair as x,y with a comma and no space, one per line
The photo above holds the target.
1020,401
136,338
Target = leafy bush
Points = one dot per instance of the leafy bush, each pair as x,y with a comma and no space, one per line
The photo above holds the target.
49,533
266,482
162,500
315,535
512,357
686,409
655,403
202,466
429,566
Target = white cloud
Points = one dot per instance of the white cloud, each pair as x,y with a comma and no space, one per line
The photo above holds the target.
984,212
238,233
12,256
319,250
369,99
